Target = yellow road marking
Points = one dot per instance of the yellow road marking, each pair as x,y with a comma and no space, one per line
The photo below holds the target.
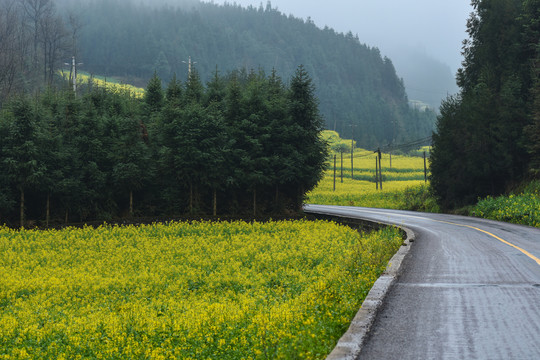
498,238
468,226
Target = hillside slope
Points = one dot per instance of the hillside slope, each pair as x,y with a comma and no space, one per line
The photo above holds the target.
355,84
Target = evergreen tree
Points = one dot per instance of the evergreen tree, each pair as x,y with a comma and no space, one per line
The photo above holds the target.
479,148
21,160
307,124
67,115
242,143
7,202
51,151
277,145
531,50
174,91
153,96
354,82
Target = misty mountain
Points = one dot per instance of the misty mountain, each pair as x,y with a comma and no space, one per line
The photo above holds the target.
355,84
425,78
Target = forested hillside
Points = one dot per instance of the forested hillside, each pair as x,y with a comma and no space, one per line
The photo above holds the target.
488,136
355,84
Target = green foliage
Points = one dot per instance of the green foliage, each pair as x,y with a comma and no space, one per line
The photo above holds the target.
419,198
355,83
153,96
523,208
246,143
531,18
480,147
335,142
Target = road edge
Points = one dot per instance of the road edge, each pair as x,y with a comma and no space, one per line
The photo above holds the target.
350,344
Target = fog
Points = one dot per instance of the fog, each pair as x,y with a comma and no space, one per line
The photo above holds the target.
423,38
434,27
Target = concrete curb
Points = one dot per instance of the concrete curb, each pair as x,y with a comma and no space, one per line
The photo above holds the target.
350,344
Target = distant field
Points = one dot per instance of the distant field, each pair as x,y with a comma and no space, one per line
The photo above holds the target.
108,83
399,173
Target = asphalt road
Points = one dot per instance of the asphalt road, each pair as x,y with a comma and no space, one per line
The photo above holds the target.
468,289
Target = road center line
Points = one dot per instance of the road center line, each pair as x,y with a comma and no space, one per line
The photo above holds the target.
498,238
467,226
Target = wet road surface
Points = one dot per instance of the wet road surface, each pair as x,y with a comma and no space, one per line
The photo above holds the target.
469,289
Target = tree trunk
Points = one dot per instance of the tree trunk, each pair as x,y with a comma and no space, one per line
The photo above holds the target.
300,199
215,203
131,203
22,208
276,200
48,211
191,198
254,202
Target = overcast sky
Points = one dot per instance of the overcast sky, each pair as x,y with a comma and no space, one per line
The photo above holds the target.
436,27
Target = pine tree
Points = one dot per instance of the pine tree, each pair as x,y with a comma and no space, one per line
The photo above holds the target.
311,150
130,158
153,96
20,151
479,148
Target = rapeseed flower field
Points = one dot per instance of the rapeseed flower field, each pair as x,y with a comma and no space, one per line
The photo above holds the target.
521,208
200,290
110,85
400,174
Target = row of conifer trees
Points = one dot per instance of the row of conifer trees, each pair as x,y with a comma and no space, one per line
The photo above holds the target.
244,143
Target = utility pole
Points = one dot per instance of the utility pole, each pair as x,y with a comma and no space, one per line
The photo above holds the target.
342,166
335,172
376,173
73,73
189,66
380,168
425,168
352,150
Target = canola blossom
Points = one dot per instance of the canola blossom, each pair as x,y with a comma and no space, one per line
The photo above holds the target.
521,209
400,174
201,290
111,86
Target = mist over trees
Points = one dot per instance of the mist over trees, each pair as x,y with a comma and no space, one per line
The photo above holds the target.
35,40
487,135
426,79
356,85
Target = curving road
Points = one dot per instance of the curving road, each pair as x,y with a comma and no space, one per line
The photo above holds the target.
468,289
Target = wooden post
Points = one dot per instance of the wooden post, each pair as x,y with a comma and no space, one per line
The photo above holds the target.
22,208
376,173
48,212
254,201
380,169
342,166
352,163
131,203
191,198
334,172
425,168
214,212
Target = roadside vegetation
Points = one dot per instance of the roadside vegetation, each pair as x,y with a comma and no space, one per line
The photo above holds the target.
522,207
200,290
